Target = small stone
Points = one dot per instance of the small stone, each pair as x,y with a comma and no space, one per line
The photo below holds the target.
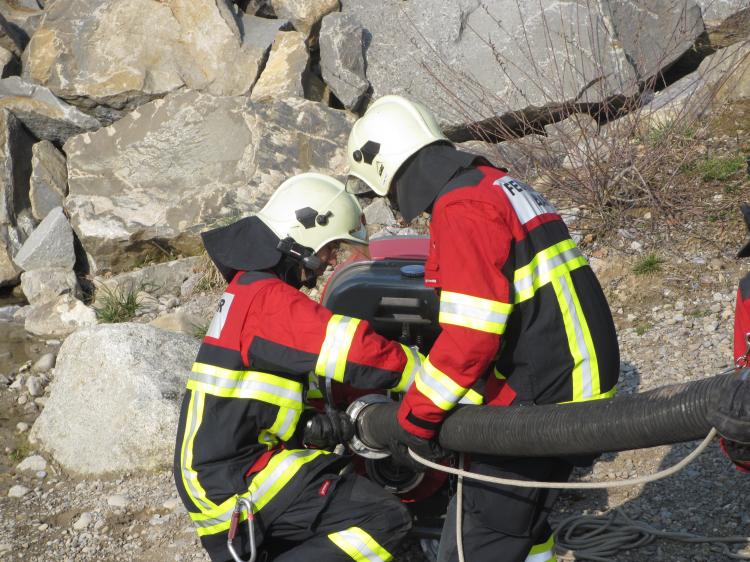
22,399
22,427
45,363
82,522
43,527
118,501
34,386
18,491
34,463
42,474
172,503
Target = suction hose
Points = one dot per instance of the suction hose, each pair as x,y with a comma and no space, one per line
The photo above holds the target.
663,416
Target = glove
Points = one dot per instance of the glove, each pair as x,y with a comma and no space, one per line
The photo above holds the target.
328,429
428,449
738,453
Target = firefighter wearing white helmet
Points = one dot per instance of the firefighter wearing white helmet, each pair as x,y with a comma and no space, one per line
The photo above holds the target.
245,432
314,210
522,316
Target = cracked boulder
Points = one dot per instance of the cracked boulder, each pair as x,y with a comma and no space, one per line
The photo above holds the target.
108,57
49,179
177,166
469,60
44,114
304,14
342,61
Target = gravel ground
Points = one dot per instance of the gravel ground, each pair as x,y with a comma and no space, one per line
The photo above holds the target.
674,326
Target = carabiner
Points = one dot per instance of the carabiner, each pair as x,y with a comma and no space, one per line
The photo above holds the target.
247,504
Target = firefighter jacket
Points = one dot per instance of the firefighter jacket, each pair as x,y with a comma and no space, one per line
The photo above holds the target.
520,307
245,394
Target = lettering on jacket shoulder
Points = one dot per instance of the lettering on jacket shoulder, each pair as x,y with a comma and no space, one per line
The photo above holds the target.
526,202
220,318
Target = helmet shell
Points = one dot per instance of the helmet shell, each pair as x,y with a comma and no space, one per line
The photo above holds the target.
387,135
314,209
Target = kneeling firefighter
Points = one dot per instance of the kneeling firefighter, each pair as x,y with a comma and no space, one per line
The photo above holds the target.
244,431
521,312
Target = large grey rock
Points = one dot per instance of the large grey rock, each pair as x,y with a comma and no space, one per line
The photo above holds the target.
15,167
10,38
342,60
8,63
715,11
379,212
9,245
176,165
50,245
114,400
59,317
110,56
304,14
157,280
46,284
284,74
468,65
721,77
45,115
524,157
49,179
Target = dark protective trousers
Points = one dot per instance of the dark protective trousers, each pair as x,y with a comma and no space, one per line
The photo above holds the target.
299,529
503,523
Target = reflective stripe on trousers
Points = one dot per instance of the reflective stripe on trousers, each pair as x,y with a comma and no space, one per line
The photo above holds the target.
264,486
360,545
335,349
543,552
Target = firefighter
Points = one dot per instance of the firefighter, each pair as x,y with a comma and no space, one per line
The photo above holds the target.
521,313
244,431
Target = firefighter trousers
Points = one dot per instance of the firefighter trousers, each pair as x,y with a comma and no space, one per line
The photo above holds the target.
505,523
334,518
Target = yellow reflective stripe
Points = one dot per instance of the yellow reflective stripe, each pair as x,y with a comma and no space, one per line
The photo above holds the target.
360,545
335,349
285,423
498,374
442,391
263,488
472,312
189,475
608,394
544,552
251,385
585,365
472,397
413,363
547,265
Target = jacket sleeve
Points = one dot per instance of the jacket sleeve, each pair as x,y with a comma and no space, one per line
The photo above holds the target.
469,247
293,334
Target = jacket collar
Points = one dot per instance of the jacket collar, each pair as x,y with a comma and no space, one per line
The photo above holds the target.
421,178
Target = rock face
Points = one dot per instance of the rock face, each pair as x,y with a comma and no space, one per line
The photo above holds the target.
114,401
15,169
176,165
111,56
342,60
284,74
49,179
517,56
46,284
304,14
718,10
59,317
46,116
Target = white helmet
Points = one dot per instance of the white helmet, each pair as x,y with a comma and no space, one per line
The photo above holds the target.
387,135
314,209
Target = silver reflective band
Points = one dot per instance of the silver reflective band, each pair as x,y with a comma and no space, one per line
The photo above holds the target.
246,386
544,266
473,312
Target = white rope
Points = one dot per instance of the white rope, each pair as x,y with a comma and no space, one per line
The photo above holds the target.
592,544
